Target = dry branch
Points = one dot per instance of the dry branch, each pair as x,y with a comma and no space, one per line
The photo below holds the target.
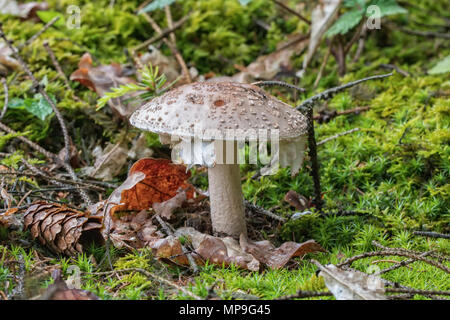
5,106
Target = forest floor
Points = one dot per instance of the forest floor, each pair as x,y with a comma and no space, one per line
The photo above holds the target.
381,183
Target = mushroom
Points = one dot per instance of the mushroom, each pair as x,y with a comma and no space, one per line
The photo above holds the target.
208,123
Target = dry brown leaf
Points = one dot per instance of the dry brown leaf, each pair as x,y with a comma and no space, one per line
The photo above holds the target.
11,220
166,208
101,79
226,251
25,11
59,290
166,65
276,258
296,200
161,183
352,285
268,66
322,17
7,62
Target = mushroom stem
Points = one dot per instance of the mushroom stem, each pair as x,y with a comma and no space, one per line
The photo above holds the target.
227,201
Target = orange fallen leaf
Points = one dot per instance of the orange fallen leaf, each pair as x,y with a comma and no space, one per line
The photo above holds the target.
162,182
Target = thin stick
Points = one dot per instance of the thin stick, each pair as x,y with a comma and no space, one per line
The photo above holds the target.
170,23
337,136
301,294
328,94
43,175
253,207
42,91
322,68
361,44
172,47
396,68
392,252
150,275
431,234
327,116
312,147
417,291
295,13
56,63
60,118
36,35
5,106
106,157
185,251
401,264
162,35
427,34
33,145
277,83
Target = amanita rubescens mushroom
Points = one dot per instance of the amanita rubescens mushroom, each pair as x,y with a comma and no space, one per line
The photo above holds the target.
208,123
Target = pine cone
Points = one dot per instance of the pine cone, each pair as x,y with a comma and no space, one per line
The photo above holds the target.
62,229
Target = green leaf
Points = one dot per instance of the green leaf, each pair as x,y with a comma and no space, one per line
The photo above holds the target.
388,7
359,4
345,23
47,16
244,2
39,106
157,4
442,66
16,103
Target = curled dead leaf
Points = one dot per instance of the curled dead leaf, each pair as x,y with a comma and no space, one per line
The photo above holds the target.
226,251
101,79
162,181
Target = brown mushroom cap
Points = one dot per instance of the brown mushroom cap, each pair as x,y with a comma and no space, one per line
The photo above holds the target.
218,106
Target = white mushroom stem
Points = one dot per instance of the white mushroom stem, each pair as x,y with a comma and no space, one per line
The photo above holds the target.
227,201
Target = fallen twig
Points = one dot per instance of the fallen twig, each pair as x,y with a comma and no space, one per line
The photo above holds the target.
426,34
392,252
301,294
36,84
295,13
35,146
328,94
5,106
337,136
169,19
325,116
322,68
63,182
255,208
431,234
150,275
400,264
277,83
37,34
172,47
312,147
58,67
396,68
164,33
185,251
418,291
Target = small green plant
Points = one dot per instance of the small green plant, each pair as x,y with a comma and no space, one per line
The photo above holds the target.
155,5
359,9
152,84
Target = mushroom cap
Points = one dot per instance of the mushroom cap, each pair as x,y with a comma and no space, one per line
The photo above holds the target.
218,106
